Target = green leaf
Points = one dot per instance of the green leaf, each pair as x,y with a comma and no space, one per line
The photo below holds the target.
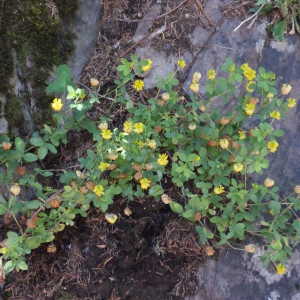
278,132
189,213
37,141
20,145
8,267
278,30
30,157
34,204
42,152
176,207
51,148
22,265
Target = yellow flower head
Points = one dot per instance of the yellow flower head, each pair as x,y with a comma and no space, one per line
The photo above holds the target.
219,190
270,95
162,159
138,127
138,85
106,134
127,127
145,183
242,134
280,269
250,90
140,144
103,166
211,74
181,63
245,67
56,104
99,190
147,67
285,89
291,102
224,143
272,146
165,96
3,250
194,87
238,167
249,110
197,159
250,74
196,77
152,144
275,114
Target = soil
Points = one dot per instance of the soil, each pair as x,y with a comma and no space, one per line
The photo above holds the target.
150,255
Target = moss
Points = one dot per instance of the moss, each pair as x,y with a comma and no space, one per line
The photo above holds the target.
40,40
13,111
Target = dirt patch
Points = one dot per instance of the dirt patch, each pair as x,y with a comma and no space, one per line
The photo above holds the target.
150,255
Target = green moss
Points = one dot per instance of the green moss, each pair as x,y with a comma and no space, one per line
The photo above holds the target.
13,111
40,40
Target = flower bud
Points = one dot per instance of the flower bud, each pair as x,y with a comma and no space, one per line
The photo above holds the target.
103,126
6,146
224,121
209,250
297,189
165,96
192,127
196,77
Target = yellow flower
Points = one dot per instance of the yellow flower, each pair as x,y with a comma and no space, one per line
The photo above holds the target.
270,95
242,134
194,87
145,183
250,74
196,77
211,74
280,269
127,127
162,159
248,86
197,158
291,102
272,146
102,126
238,167
245,67
147,67
152,144
181,63
138,127
192,127
285,89
224,143
94,82
103,166
138,85
250,107
99,190
106,134
140,144
57,105
3,250
219,190
111,218
275,114
271,212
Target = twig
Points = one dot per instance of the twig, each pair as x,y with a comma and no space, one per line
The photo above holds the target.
250,17
133,46
203,11
158,17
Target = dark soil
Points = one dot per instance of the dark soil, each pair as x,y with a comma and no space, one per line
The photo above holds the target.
150,255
